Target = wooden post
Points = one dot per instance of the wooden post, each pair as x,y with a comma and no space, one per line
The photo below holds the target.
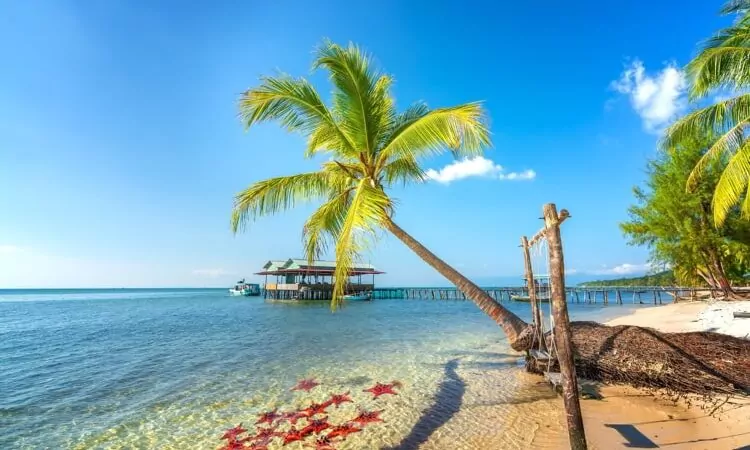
562,330
535,313
619,297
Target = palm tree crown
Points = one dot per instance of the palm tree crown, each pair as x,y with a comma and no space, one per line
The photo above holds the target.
722,63
370,144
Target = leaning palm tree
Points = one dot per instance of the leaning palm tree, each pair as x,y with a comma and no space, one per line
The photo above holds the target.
370,148
722,63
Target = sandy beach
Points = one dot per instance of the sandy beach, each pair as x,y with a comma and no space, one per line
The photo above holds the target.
629,418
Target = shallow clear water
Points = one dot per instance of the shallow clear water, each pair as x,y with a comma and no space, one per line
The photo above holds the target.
174,368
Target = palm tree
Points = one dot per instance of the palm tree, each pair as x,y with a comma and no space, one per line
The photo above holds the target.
722,63
371,147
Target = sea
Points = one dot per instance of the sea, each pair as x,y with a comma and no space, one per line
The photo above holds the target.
174,368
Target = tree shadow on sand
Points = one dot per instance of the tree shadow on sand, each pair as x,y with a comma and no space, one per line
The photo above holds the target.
447,403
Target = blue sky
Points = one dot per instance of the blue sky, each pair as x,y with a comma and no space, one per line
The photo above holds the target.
120,149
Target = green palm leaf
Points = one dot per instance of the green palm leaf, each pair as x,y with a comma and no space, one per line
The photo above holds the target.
277,194
732,185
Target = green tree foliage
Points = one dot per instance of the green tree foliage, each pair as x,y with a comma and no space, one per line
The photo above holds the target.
664,278
723,62
677,225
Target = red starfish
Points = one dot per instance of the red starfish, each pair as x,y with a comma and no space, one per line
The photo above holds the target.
381,389
293,416
268,417
234,445
305,385
366,417
316,426
264,436
232,433
343,431
340,399
322,443
316,408
293,435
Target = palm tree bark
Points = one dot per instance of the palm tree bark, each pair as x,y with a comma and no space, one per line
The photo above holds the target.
519,333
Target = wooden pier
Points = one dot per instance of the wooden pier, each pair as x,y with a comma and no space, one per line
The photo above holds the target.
605,295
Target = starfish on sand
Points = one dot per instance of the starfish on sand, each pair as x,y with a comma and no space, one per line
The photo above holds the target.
293,416
232,433
322,443
339,399
315,409
382,389
306,385
316,426
366,417
264,436
293,435
343,431
268,417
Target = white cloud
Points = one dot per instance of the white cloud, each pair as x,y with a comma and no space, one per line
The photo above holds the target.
624,269
658,98
212,273
477,166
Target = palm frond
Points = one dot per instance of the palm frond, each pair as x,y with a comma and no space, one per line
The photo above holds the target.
732,185
324,225
367,212
296,105
714,120
361,97
462,129
404,170
719,67
735,6
277,194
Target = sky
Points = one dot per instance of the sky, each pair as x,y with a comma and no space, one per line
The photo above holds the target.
121,150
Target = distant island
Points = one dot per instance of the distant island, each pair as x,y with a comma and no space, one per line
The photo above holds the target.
665,278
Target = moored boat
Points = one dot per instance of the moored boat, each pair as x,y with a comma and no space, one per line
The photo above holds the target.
360,297
245,289
527,299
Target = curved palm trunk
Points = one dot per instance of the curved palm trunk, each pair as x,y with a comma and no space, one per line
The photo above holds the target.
519,333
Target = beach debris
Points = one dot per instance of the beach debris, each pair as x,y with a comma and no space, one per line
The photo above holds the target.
343,431
382,389
306,385
366,417
268,417
339,399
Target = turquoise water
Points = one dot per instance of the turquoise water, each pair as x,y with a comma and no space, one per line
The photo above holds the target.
174,368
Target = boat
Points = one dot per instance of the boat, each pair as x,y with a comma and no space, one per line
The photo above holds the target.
527,299
245,289
361,297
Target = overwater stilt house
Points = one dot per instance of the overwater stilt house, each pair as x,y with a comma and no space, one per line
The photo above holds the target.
297,279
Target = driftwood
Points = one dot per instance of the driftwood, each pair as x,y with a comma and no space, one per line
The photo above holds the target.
710,365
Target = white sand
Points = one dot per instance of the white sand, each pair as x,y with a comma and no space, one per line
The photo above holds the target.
694,316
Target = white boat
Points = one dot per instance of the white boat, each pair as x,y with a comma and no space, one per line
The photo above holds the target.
244,289
361,297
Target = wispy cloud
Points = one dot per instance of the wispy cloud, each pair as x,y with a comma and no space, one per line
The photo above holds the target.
212,273
624,269
477,166
656,98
